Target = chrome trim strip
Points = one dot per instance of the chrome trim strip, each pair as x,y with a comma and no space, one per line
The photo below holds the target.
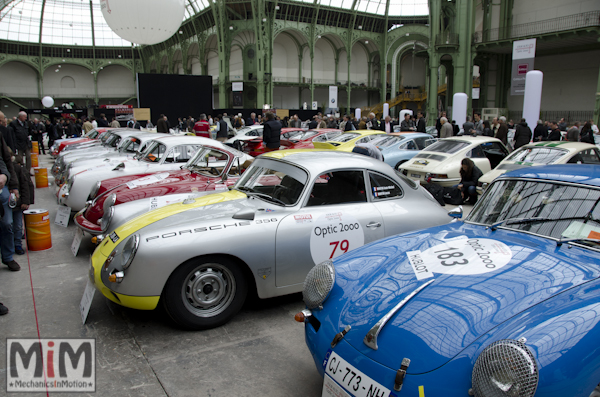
371,337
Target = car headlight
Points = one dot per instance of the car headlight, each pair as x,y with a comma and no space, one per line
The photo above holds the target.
94,191
106,219
505,368
129,250
318,284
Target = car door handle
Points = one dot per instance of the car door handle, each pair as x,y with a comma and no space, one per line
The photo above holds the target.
373,225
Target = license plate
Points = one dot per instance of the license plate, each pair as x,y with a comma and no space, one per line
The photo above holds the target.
350,379
418,176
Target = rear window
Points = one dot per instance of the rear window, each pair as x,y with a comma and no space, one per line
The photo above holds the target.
541,155
345,137
447,146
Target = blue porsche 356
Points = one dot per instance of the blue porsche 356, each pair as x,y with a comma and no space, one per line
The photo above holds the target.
504,303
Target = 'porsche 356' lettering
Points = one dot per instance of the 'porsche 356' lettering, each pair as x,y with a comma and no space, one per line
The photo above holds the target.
209,228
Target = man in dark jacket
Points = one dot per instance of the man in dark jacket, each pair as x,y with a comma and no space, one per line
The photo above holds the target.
502,133
522,134
406,124
21,130
573,133
421,124
102,121
38,135
540,133
161,125
221,128
271,133
555,134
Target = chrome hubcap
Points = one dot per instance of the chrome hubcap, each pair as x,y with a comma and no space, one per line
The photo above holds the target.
208,290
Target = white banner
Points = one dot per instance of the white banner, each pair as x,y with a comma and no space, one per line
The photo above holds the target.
523,61
237,86
333,96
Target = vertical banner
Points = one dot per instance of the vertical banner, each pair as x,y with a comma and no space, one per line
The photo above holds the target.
523,58
333,97
237,90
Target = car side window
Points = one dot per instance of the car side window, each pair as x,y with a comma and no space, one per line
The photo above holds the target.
364,140
588,156
383,187
408,145
476,152
338,187
181,154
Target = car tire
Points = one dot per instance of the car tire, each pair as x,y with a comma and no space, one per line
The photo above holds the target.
224,290
399,164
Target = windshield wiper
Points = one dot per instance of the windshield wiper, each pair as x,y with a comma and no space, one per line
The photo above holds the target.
561,240
517,221
251,192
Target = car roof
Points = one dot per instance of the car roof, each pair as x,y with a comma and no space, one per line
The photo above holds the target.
319,160
173,140
562,145
471,139
587,174
413,135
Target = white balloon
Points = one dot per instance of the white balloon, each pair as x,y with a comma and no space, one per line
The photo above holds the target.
143,21
47,101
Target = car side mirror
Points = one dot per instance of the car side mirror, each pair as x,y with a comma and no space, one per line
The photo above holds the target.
456,213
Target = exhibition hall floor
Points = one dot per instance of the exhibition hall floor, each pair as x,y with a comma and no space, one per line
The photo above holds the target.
261,352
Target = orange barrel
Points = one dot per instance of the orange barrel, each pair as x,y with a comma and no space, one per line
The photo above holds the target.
41,177
35,147
37,226
34,160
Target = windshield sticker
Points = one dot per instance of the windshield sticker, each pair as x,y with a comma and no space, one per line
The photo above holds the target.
334,236
461,256
581,230
147,180
303,218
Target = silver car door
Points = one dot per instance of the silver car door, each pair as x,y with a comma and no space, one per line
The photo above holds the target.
388,197
336,218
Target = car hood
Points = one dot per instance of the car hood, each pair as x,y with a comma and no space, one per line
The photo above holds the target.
455,309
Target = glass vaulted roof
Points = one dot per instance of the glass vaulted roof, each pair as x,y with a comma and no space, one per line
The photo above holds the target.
397,7
65,22
69,22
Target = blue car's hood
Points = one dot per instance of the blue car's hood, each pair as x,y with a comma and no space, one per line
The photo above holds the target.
456,309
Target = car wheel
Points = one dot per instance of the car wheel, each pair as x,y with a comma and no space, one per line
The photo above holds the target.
399,164
205,293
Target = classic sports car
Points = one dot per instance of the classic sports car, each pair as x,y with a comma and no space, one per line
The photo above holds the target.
506,303
440,162
162,154
61,144
406,148
127,149
544,153
346,141
213,168
245,134
291,138
289,210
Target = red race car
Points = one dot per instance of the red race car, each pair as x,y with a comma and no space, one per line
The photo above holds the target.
212,169
92,135
293,138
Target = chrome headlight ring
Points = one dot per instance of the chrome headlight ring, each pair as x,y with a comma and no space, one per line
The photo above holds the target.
106,219
94,190
318,284
506,368
130,248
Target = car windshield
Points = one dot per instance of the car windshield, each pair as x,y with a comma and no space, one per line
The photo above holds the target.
209,162
112,140
273,181
92,134
345,137
447,146
292,134
302,135
104,137
538,155
549,209
154,152
386,141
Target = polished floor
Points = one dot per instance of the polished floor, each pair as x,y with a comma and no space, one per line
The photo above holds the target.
260,353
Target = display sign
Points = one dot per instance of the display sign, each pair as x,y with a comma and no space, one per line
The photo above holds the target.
315,105
77,241
523,60
333,97
63,214
237,86
142,114
86,300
